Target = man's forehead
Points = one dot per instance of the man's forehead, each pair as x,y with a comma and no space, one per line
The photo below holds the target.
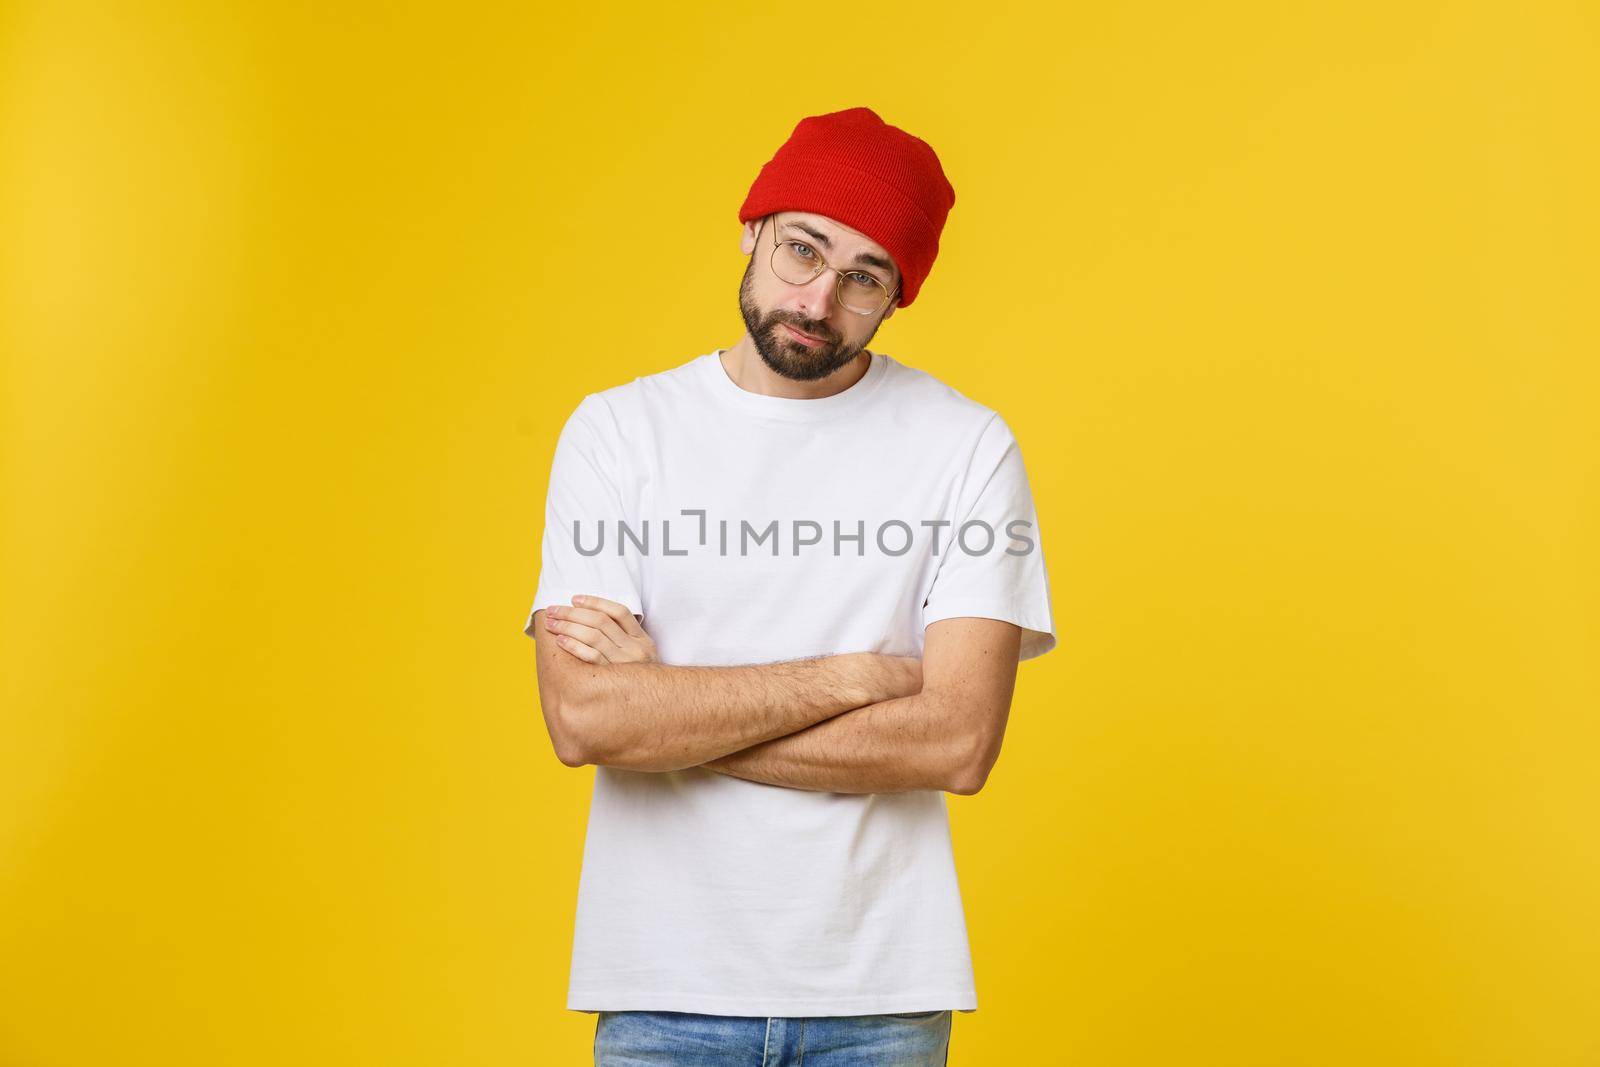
832,227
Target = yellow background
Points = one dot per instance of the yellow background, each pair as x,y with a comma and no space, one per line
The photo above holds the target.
1292,308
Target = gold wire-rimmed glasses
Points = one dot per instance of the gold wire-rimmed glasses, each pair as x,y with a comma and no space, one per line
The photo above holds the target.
856,290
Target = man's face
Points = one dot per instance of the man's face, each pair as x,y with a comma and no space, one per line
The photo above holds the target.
768,303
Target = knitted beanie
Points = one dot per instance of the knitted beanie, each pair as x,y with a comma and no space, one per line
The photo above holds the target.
858,170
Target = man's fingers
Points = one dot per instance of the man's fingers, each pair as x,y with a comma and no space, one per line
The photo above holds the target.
606,626
619,612
599,620
592,636
579,649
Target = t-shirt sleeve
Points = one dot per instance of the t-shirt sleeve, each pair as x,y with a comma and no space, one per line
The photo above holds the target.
1008,581
584,504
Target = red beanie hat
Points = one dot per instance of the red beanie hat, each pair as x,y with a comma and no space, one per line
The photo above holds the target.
857,169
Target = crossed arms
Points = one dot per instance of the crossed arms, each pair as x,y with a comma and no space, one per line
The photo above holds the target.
852,723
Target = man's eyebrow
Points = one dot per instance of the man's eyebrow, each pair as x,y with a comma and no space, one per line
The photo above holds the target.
864,259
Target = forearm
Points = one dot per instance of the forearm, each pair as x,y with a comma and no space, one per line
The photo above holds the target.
891,746
657,717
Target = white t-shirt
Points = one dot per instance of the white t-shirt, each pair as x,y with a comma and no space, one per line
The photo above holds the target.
701,892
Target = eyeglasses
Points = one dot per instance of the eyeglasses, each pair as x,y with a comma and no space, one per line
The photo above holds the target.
797,263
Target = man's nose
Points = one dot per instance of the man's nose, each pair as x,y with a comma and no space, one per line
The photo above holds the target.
815,298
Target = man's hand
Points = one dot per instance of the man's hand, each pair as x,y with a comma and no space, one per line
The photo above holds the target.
597,630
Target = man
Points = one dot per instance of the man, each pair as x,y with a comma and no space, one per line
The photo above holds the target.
784,590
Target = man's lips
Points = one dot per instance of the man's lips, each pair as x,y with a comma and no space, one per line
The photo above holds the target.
803,338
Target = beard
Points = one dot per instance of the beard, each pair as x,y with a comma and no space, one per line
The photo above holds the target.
782,353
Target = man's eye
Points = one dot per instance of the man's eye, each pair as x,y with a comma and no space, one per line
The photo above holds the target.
801,249
862,279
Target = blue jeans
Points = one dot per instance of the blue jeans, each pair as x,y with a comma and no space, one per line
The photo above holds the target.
687,1039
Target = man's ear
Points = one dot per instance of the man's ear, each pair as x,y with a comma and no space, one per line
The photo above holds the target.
747,237
893,306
